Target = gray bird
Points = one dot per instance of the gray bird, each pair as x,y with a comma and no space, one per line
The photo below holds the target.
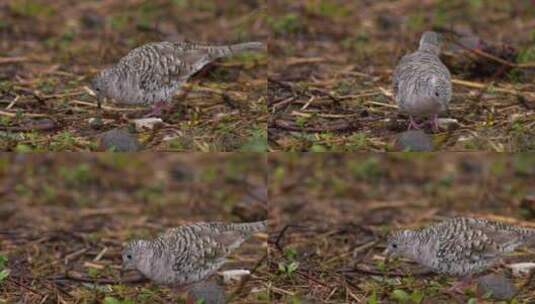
151,74
422,83
459,246
187,254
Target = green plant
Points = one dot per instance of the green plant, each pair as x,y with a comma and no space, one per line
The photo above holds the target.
4,272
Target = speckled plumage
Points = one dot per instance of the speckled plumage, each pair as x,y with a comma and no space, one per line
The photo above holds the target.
155,71
421,82
459,246
187,254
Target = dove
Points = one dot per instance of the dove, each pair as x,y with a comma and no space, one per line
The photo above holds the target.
459,246
152,73
422,83
187,254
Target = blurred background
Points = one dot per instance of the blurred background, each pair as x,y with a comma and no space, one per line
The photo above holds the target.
330,213
331,63
50,49
64,218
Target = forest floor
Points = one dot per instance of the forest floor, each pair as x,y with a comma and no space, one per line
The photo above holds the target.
64,220
329,74
50,50
330,215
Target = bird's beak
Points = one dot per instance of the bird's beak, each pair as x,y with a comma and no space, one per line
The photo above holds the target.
89,91
94,94
387,255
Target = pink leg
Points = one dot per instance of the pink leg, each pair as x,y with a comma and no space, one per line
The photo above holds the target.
461,285
157,109
434,123
413,124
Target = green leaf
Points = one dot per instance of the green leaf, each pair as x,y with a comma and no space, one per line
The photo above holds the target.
111,300
292,267
3,260
400,296
417,296
4,274
373,298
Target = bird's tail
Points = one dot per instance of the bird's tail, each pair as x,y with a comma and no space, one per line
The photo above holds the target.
251,227
531,237
229,50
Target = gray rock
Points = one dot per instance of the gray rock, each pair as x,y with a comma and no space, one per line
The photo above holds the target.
497,285
119,140
189,253
459,246
207,292
414,140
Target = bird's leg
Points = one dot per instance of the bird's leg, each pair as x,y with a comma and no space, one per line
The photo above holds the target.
461,285
157,109
413,124
434,123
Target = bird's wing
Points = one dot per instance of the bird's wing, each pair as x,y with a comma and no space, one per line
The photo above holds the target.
505,235
157,65
469,245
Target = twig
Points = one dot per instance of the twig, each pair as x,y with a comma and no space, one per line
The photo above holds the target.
389,274
335,126
4,60
497,59
244,281
477,85
25,287
9,114
75,276
89,104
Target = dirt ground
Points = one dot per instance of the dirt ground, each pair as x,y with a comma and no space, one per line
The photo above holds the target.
337,209
329,74
49,50
64,218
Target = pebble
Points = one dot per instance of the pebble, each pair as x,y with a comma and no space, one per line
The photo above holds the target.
119,140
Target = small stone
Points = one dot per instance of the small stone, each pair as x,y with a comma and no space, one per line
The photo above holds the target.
234,275
498,286
119,140
95,123
145,124
448,123
521,269
206,292
182,172
414,140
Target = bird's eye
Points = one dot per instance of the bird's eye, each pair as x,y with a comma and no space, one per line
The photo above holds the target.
395,245
436,94
129,257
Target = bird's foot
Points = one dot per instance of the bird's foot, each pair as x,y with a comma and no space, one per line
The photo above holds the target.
413,124
460,286
434,124
158,108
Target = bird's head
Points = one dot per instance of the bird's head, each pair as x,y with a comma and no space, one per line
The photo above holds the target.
134,253
100,84
440,90
399,244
